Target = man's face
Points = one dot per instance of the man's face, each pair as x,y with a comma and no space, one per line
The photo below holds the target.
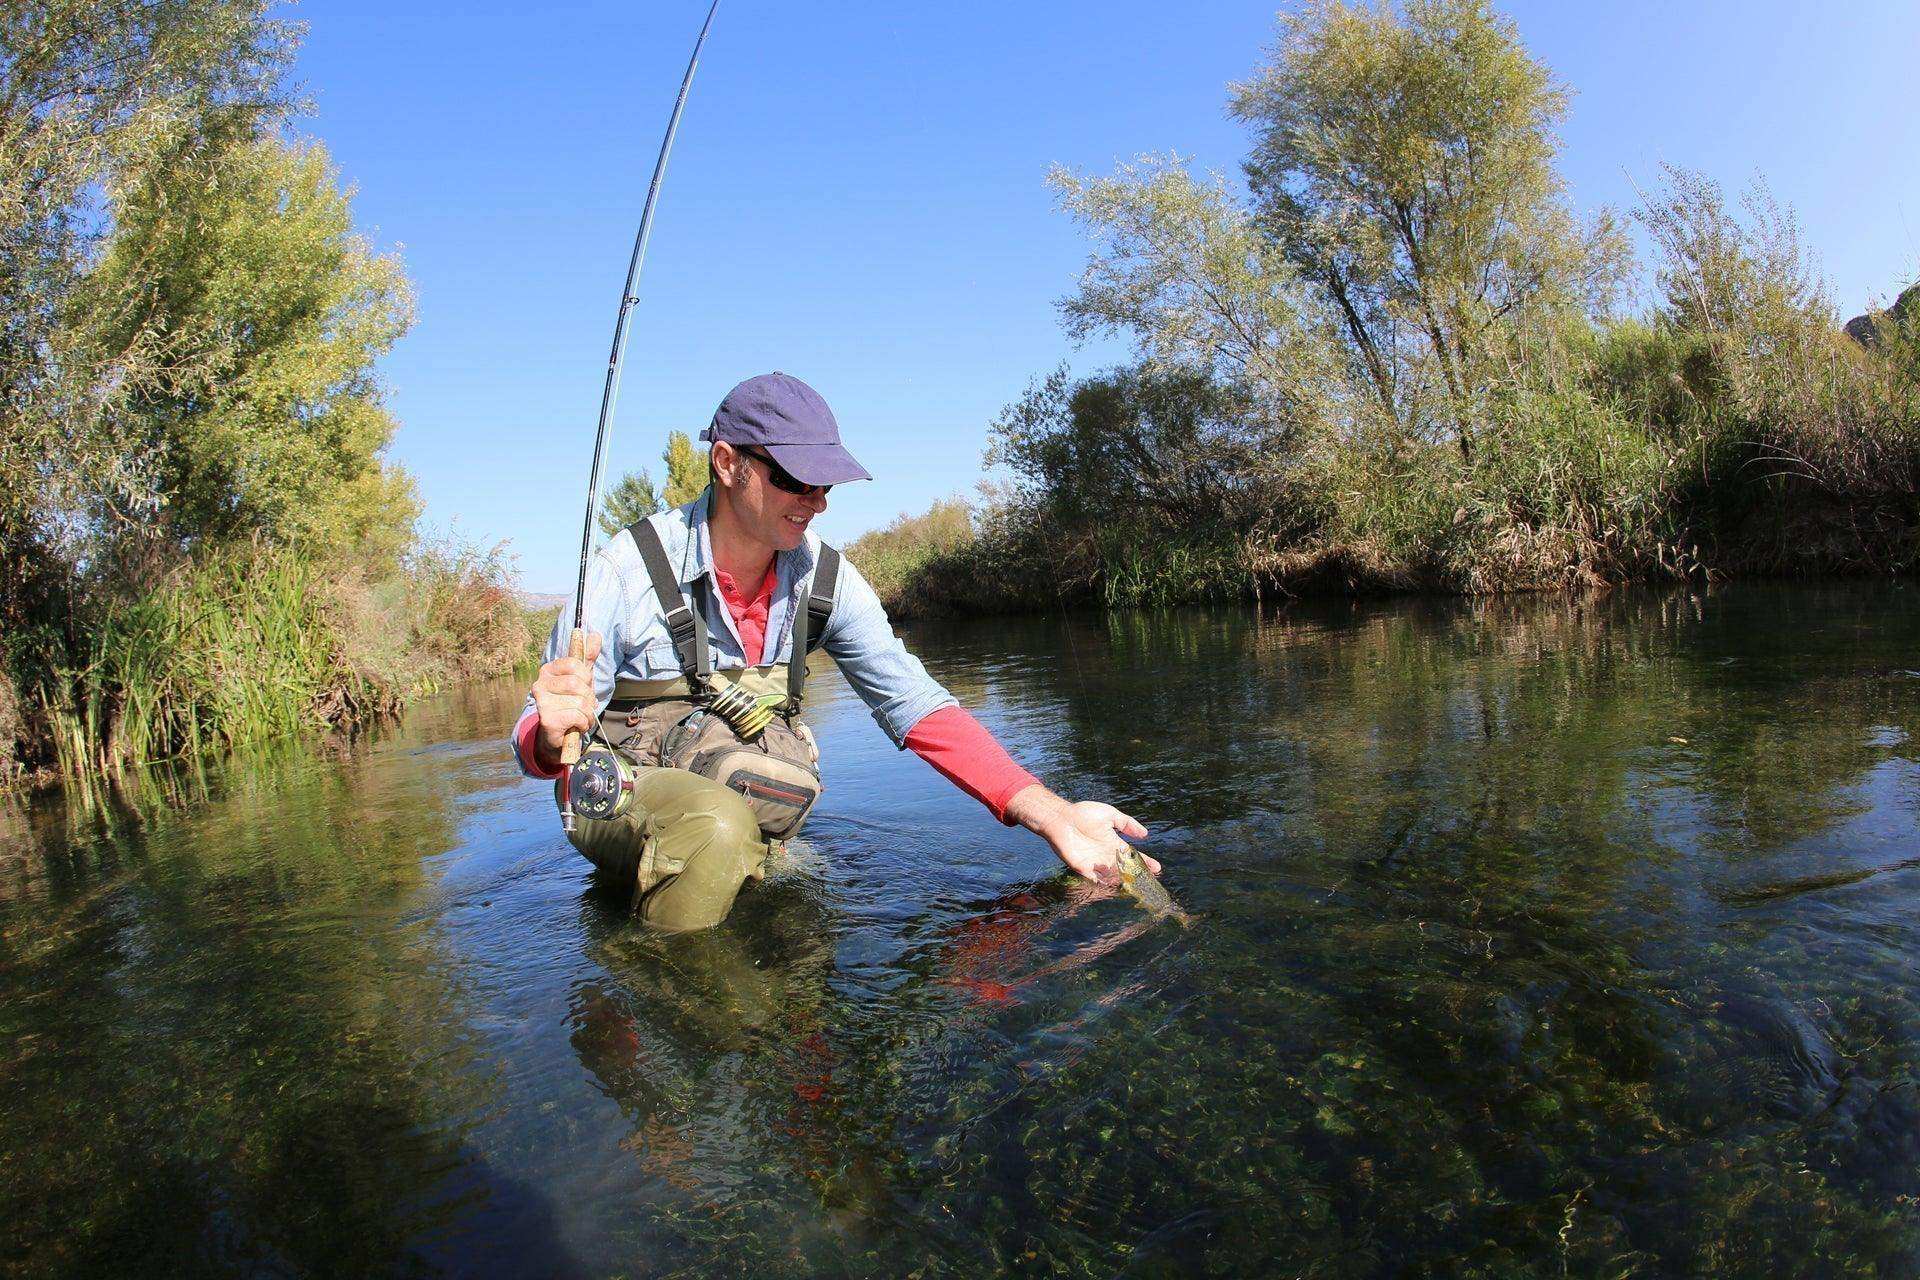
767,513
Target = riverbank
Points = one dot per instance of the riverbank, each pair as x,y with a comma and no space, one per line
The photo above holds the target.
1766,445
203,538
1398,356
957,562
256,642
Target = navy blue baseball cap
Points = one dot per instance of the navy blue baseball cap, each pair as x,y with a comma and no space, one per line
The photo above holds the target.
786,417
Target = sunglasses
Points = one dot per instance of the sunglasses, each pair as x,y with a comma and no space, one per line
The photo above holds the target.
784,481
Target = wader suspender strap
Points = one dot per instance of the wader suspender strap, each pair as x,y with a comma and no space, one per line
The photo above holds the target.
687,627
810,623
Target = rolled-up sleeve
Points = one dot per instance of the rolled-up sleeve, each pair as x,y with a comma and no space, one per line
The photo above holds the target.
891,681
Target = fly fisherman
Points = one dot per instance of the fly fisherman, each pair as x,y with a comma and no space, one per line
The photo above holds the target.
698,623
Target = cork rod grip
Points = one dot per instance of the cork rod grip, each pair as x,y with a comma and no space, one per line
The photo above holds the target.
570,745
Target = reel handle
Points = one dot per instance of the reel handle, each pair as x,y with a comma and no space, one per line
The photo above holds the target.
570,745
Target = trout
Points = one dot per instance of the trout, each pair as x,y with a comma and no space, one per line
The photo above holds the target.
1146,887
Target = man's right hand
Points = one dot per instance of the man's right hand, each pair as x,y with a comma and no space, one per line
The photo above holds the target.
563,694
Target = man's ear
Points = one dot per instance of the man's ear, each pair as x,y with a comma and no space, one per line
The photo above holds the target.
722,460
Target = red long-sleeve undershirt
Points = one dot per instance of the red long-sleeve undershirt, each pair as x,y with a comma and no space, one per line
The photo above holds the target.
950,739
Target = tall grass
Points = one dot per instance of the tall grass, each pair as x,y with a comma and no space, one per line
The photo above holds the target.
254,642
907,560
236,648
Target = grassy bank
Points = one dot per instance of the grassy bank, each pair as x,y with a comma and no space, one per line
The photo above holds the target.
203,538
255,642
1617,452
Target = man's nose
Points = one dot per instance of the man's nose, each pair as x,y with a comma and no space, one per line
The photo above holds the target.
816,501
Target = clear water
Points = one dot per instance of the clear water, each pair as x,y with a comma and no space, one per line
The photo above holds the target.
1535,938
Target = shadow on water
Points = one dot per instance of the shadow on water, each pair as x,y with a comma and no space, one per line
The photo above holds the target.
1536,938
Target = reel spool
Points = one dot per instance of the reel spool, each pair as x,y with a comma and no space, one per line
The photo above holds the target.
600,786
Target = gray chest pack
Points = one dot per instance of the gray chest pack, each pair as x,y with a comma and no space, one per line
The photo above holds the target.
740,726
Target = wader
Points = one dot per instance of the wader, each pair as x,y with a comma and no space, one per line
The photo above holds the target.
705,802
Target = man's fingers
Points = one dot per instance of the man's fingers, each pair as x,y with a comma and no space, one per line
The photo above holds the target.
1128,826
561,716
1153,864
572,677
593,648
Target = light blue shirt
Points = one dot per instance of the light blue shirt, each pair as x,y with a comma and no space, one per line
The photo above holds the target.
635,644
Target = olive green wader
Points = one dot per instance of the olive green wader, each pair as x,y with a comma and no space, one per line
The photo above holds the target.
686,845
704,803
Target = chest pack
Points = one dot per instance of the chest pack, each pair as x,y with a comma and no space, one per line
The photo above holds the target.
740,727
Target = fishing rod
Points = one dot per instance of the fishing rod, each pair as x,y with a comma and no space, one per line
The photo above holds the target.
572,745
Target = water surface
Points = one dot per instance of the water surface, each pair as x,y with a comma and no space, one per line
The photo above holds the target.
1536,938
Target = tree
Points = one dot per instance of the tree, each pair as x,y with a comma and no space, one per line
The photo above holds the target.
1182,266
1404,161
686,470
1151,451
628,501
1403,220
91,96
232,325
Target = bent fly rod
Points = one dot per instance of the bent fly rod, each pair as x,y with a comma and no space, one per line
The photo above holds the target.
571,747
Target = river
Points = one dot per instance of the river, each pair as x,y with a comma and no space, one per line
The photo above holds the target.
1534,937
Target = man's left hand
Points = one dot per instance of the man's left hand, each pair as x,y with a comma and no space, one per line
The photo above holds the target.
1087,835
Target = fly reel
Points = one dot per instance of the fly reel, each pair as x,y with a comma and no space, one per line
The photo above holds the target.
600,786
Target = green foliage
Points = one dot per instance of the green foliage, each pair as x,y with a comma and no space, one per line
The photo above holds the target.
1153,483
1393,363
1566,488
1404,161
1143,450
233,324
233,649
632,500
91,95
1185,271
902,553
1801,403
96,95
686,470
193,489
254,641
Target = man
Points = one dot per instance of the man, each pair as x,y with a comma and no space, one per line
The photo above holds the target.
687,843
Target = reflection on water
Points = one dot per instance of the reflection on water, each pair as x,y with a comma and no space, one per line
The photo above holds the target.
1536,938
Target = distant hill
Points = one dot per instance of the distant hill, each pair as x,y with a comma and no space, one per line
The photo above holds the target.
541,600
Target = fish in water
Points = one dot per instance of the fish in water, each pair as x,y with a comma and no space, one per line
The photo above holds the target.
1146,887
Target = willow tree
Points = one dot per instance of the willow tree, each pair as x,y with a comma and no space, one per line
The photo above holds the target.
233,324
92,92
1404,162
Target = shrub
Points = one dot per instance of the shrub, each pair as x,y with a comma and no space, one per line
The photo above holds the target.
894,557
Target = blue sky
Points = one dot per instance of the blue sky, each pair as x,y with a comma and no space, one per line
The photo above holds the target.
856,197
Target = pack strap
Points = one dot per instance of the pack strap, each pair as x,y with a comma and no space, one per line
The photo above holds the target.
810,623
689,631
684,625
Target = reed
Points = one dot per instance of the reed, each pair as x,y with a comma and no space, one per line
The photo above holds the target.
230,650
254,642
